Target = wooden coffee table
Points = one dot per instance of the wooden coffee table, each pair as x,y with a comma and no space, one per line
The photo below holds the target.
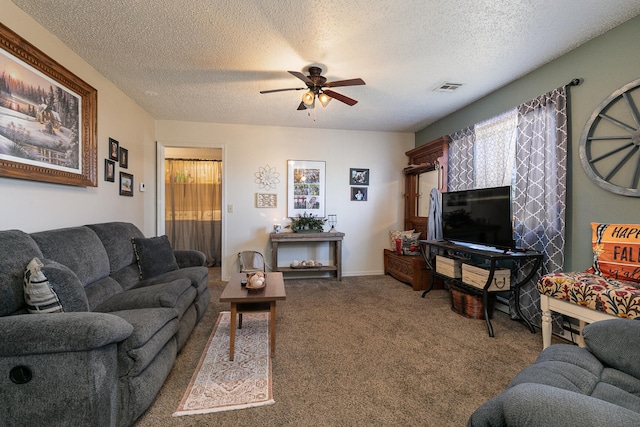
244,300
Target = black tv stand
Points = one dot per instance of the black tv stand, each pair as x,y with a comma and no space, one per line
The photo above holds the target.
428,248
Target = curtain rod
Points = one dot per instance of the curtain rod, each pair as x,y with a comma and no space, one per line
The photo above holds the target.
575,82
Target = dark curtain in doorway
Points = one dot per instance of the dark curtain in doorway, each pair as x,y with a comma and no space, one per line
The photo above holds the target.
193,200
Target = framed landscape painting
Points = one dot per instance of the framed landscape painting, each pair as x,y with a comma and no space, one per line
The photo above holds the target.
48,117
306,188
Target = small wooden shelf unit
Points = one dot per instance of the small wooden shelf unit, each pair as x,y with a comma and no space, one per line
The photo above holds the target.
334,238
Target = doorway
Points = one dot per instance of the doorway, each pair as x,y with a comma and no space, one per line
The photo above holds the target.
190,199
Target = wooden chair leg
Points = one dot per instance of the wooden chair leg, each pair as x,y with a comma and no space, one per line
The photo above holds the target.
240,321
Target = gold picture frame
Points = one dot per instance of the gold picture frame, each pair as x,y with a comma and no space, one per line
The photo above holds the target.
62,148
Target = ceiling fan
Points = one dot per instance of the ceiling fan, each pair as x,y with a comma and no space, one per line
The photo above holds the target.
316,85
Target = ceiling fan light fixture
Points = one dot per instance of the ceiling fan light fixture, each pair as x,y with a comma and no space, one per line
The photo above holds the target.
308,98
324,99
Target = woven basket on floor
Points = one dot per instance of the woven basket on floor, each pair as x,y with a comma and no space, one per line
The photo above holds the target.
469,305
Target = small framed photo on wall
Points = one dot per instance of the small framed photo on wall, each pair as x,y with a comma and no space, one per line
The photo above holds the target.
109,170
126,184
358,176
124,158
113,149
358,194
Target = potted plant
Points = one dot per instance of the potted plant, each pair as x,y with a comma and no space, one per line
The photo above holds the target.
307,223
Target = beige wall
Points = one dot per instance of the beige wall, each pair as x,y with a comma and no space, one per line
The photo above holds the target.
247,148
34,206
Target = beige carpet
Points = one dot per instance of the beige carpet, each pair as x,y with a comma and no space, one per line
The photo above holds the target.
366,351
219,384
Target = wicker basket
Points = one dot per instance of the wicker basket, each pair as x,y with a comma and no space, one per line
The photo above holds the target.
470,305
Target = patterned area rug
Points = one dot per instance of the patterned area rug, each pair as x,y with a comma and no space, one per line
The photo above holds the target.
222,385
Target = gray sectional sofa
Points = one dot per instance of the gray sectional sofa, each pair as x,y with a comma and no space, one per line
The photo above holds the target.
572,386
103,360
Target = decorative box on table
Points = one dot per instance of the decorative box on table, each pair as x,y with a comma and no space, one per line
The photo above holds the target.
477,277
409,269
449,267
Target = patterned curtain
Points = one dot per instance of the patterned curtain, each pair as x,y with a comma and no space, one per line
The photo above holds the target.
540,189
495,148
193,206
461,165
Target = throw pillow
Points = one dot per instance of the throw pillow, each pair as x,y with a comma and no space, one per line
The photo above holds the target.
154,255
38,293
616,251
395,234
411,244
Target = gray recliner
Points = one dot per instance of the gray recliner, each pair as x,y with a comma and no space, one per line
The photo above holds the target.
572,386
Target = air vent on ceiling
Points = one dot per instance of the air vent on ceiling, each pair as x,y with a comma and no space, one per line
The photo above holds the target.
447,87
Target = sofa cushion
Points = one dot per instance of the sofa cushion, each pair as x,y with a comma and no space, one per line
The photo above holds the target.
621,380
38,293
199,277
101,290
70,291
616,395
603,340
154,256
616,251
17,248
178,294
79,248
152,329
116,238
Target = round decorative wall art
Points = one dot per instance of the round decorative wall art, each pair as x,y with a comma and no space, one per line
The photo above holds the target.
610,142
267,177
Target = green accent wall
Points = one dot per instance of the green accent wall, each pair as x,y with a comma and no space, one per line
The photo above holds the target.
606,63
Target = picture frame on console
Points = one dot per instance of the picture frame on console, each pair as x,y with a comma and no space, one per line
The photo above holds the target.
49,141
306,188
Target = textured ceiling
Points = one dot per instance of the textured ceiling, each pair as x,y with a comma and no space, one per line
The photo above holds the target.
207,60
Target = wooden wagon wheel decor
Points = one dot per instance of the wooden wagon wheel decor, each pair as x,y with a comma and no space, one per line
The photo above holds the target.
610,142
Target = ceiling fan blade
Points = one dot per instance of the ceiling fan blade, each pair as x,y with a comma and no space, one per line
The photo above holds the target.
301,76
350,82
340,97
282,90
301,107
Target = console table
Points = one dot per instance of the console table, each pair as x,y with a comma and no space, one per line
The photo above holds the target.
333,238
449,249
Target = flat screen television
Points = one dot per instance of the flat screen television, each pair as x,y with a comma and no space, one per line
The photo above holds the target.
480,216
